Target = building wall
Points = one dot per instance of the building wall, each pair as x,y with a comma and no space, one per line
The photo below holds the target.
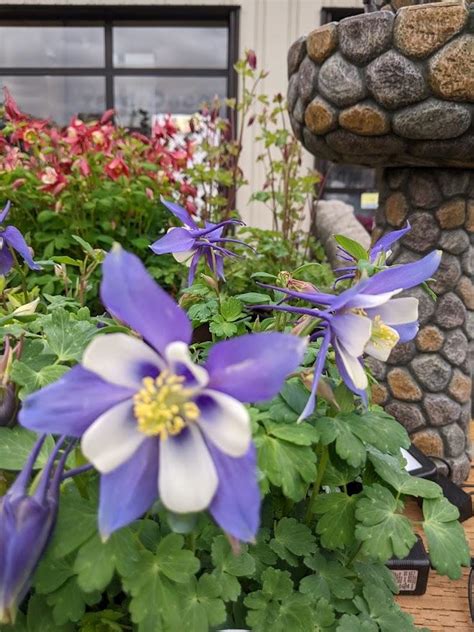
266,26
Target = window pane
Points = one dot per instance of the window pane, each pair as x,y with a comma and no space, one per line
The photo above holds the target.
58,98
170,47
51,46
163,95
350,177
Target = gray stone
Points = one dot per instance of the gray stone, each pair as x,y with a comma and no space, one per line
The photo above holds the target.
447,275
470,325
395,81
341,82
298,112
426,305
432,371
293,92
424,234
317,145
432,119
296,54
454,241
454,440
405,256
423,189
450,311
460,468
455,347
296,127
350,144
441,409
307,80
455,152
467,262
396,177
409,415
453,181
363,37
377,368
402,353
465,420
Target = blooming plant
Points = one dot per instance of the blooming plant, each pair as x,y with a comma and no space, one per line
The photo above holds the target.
175,478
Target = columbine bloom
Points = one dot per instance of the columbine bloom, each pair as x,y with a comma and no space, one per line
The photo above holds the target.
152,422
363,319
189,243
10,237
26,523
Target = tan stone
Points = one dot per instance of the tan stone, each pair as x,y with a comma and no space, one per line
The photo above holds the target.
465,289
470,217
396,209
460,387
452,214
365,119
451,70
320,117
379,394
322,42
376,234
403,386
429,339
429,442
421,30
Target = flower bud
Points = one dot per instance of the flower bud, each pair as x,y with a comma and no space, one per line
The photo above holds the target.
251,58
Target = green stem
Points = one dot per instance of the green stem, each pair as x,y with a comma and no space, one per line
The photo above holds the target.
21,272
322,465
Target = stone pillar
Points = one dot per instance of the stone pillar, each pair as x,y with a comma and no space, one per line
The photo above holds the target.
427,383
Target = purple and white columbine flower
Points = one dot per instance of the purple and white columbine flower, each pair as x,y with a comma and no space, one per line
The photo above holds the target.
152,422
189,243
10,237
363,319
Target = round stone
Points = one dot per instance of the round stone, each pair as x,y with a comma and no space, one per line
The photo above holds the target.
424,233
364,37
293,92
296,55
296,127
403,386
441,409
320,116
447,275
421,30
431,371
460,387
450,311
341,82
366,119
426,305
453,181
467,261
396,209
456,347
307,79
470,217
460,468
452,213
450,70
379,394
396,177
350,144
402,353
469,326
465,290
454,241
429,338
454,152
423,189
298,111
429,442
454,440
376,367
322,42
432,119
409,415
395,81
317,146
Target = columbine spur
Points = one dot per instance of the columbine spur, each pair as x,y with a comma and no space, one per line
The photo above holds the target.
152,422
11,238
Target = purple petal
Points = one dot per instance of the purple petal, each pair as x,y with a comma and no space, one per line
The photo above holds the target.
132,296
15,239
318,370
71,404
179,212
312,297
384,243
4,213
404,276
6,259
130,490
193,266
236,504
253,367
176,240
407,331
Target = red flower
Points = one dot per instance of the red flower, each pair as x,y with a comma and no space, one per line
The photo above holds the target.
251,59
53,181
116,168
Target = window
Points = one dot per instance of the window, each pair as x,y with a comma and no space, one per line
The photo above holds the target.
142,63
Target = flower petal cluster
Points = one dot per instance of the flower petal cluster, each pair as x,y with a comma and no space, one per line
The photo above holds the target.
154,423
11,238
189,243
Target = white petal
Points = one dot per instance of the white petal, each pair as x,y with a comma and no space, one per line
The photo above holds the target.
353,367
177,355
113,438
353,330
184,257
381,344
226,422
371,300
119,359
398,311
188,479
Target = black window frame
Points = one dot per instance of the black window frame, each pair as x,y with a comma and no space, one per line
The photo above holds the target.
110,16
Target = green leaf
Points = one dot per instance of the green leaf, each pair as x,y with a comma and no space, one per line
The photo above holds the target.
229,566
40,617
201,607
16,445
336,519
222,328
331,579
348,446
231,309
292,539
69,602
301,434
352,247
351,623
67,338
253,298
30,380
176,563
85,244
76,523
380,430
384,532
447,543
51,574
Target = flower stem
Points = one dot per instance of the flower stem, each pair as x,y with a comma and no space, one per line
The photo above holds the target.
322,465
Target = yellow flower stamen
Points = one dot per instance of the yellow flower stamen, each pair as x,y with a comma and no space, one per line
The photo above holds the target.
382,335
162,406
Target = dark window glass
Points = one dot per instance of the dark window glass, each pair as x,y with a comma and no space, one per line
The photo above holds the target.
350,177
51,46
170,47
